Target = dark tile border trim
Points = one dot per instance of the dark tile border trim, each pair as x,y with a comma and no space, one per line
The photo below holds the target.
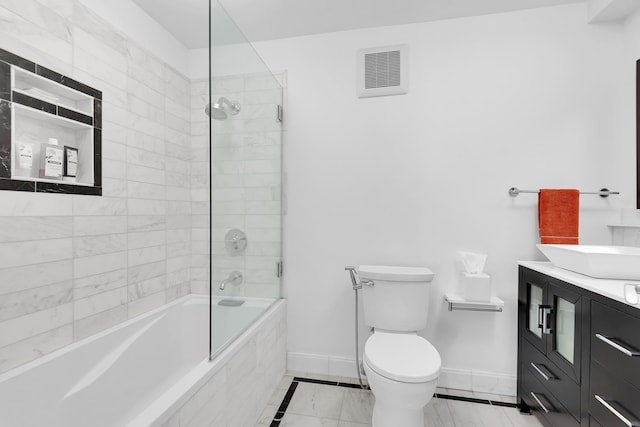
18,61
5,139
62,188
35,103
325,382
67,81
5,81
285,403
296,380
17,185
75,116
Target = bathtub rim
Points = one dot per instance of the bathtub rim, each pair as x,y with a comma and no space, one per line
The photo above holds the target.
14,372
169,403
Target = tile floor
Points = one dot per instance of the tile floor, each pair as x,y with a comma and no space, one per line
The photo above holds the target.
322,405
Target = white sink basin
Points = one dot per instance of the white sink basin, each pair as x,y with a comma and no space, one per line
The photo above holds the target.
603,262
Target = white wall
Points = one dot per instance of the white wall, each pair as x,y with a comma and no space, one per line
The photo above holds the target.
532,99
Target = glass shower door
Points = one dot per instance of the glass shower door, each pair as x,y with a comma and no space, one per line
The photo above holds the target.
245,109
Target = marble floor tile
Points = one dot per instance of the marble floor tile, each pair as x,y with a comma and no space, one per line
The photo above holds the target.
357,405
294,420
350,424
437,413
267,415
317,400
476,415
327,405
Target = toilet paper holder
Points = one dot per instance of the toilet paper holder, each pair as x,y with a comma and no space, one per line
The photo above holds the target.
456,302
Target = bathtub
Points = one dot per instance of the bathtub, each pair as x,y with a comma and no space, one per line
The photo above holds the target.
140,373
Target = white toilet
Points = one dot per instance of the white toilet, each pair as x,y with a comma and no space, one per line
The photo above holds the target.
402,367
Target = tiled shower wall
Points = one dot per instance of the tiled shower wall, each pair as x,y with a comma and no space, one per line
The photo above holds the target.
71,266
246,188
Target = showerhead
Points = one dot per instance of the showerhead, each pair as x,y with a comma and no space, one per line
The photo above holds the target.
219,109
218,112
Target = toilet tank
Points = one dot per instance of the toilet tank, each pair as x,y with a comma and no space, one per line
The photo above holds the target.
399,298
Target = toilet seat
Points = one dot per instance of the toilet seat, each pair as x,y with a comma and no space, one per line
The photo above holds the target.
402,357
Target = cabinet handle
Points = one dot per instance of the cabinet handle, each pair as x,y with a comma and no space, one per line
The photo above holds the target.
540,313
546,313
630,353
539,403
545,376
615,412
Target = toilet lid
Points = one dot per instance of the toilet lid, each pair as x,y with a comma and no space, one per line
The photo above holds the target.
401,357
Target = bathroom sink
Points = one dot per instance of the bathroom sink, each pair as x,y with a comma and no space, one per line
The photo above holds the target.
602,262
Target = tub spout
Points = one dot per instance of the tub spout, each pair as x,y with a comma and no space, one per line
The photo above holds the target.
235,278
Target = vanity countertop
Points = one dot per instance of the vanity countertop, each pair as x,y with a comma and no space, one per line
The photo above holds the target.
613,289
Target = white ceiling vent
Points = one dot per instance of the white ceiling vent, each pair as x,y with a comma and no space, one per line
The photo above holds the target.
383,71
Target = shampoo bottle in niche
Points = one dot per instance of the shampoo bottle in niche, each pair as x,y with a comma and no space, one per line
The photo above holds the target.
27,159
51,156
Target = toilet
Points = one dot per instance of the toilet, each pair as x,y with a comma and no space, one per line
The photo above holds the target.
402,367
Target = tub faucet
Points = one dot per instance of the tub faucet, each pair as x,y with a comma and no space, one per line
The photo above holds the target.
234,276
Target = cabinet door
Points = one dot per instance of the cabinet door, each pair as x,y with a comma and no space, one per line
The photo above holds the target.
533,301
563,345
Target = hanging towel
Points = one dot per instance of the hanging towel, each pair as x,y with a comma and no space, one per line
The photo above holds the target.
558,216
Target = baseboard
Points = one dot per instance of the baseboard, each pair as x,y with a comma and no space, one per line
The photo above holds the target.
456,382
322,365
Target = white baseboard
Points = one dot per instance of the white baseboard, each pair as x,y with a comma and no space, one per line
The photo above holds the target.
322,365
456,382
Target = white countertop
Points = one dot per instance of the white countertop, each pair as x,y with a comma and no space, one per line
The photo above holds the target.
613,289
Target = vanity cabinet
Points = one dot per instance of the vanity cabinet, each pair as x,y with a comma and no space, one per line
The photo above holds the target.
550,342
578,354
614,396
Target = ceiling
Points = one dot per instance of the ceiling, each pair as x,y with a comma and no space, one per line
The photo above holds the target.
259,20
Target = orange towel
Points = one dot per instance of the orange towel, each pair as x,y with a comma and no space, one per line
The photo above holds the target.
558,216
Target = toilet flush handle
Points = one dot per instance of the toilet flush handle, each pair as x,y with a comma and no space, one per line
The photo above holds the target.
356,283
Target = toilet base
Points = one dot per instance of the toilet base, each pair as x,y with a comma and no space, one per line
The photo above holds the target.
398,404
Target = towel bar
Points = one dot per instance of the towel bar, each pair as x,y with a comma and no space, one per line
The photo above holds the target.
514,191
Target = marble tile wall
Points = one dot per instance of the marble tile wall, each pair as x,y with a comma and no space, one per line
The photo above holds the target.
246,188
237,393
72,265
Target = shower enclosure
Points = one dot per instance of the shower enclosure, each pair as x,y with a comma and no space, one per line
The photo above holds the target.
243,113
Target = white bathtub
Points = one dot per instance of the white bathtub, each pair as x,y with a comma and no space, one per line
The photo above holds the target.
139,373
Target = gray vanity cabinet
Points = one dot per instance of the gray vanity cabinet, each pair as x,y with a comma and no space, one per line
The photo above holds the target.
578,354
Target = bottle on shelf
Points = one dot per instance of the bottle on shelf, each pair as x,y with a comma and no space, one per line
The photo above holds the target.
70,164
51,160
27,161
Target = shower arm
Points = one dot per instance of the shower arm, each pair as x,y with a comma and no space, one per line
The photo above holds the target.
235,106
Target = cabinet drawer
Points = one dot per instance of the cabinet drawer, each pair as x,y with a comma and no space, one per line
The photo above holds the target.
540,400
611,399
594,423
615,341
551,377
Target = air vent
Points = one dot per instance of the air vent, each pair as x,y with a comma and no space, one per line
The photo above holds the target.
382,71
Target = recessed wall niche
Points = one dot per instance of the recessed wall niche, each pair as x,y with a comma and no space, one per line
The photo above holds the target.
50,130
